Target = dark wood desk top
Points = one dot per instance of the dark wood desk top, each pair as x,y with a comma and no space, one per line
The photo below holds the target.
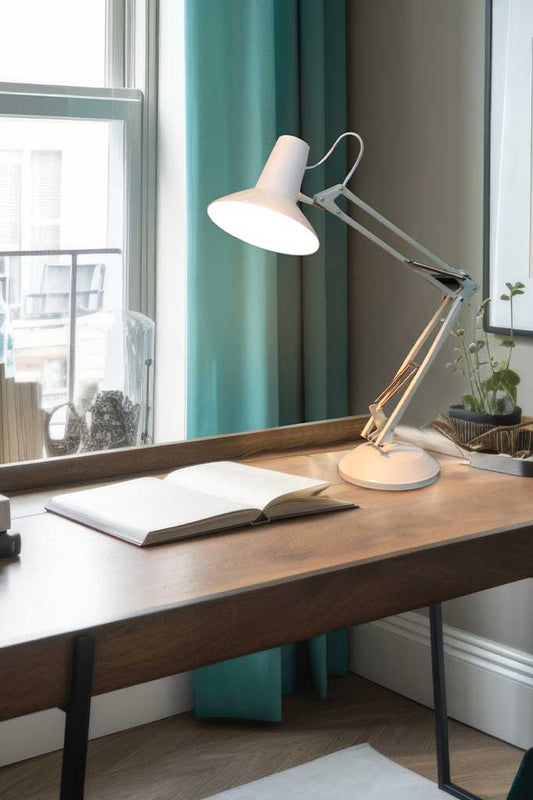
254,587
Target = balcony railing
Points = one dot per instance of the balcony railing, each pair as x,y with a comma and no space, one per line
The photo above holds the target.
73,293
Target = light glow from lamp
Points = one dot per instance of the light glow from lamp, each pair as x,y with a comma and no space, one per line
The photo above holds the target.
265,219
268,216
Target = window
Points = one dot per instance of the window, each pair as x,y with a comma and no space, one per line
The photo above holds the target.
53,42
73,201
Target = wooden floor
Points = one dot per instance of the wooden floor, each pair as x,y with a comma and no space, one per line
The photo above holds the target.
181,758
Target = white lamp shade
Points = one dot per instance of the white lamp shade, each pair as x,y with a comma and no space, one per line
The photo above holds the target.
268,215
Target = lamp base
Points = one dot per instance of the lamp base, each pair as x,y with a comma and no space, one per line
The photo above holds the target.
394,467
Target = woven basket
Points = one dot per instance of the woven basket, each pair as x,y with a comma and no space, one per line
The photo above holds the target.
512,440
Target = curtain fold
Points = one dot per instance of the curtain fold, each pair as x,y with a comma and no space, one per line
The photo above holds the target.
267,334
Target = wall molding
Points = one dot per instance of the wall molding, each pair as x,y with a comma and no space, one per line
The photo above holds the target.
489,685
36,734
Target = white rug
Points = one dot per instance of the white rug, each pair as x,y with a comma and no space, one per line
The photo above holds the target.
356,773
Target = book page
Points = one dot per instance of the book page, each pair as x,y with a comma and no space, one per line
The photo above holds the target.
241,483
134,509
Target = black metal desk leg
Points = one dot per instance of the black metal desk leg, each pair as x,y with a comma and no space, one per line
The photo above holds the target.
77,720
439,695
441,707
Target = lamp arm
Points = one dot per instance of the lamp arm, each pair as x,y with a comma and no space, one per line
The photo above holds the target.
381,428
442,275
455,285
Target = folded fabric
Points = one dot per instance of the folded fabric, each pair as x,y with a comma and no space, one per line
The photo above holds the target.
252,687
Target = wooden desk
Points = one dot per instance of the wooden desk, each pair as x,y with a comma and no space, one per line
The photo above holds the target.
159,611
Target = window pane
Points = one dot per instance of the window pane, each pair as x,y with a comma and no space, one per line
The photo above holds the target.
61,183
40,331
53,42
40,324
61,188
10,197
45,182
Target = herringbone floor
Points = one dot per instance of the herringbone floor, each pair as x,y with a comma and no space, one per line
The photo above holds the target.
181,758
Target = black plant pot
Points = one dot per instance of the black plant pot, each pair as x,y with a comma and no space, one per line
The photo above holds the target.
469,425
487,420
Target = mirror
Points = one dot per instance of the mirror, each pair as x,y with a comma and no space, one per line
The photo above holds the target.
110,155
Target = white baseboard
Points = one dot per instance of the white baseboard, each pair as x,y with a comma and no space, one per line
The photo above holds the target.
35,734
489,685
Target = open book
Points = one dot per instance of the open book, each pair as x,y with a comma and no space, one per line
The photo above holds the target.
194,500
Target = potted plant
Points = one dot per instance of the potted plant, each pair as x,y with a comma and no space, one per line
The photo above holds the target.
490,399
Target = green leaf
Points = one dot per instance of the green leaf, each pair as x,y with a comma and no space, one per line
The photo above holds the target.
511,377
507,343
504,297
493,383
519,285
470,402
500,405
505,380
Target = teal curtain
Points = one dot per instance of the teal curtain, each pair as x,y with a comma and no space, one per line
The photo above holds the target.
267,334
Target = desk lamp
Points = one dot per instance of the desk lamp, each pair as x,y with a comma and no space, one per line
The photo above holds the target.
268,216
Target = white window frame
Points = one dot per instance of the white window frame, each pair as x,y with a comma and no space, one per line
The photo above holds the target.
140,65
170,412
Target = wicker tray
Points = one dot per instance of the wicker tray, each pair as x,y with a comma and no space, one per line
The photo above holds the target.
507,449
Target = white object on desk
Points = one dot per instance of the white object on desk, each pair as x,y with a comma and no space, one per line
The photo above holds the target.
393,466
430,439
190,501
411,445
268,216
5,514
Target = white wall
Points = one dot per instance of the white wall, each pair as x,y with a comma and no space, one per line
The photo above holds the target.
416,73
43,732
